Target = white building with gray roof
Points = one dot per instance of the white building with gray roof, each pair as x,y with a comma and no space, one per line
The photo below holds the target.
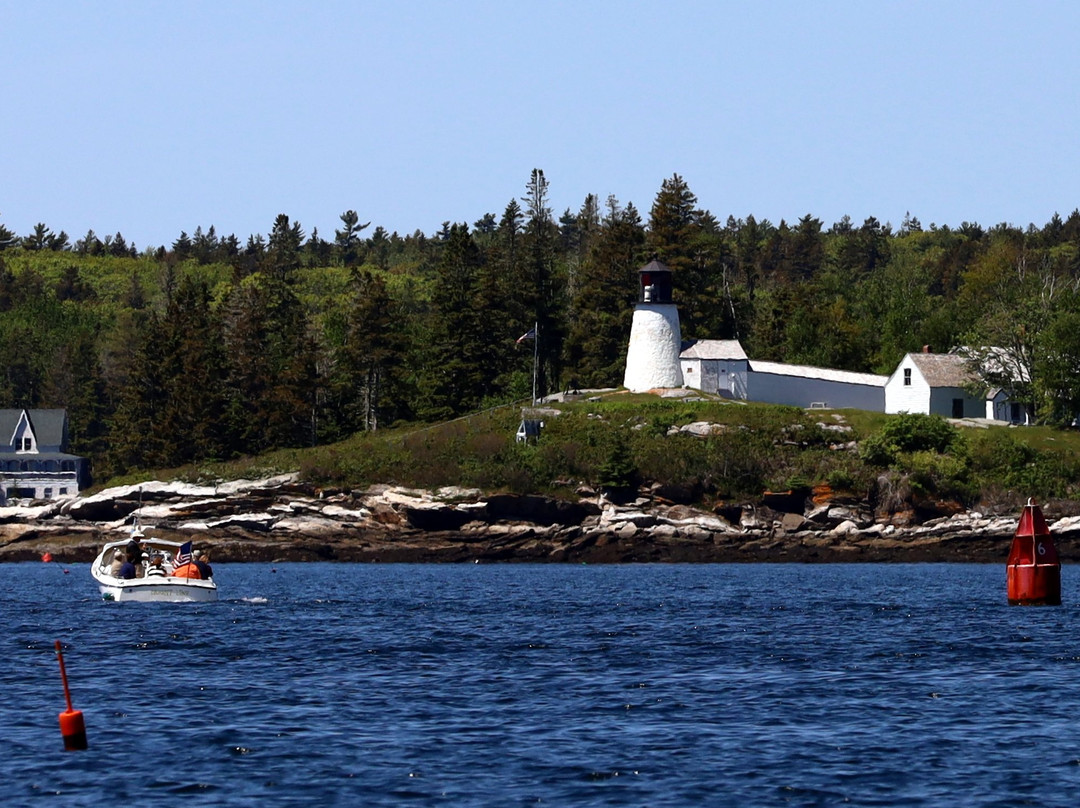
935,384
715,366
34,463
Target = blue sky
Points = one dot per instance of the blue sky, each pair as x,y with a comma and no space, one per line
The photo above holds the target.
152,118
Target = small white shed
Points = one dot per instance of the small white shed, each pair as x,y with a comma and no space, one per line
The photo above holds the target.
715,366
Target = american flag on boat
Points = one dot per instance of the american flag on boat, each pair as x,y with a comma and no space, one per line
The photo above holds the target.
183,555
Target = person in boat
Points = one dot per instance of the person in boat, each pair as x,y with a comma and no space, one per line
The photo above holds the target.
127,570
135,552
188,570
202,561
117,563
157,567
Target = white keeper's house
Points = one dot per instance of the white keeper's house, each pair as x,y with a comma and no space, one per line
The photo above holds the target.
34,463
934,384
945,384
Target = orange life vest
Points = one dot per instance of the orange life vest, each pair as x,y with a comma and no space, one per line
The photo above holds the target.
188,570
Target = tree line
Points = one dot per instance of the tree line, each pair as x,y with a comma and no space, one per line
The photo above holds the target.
213,347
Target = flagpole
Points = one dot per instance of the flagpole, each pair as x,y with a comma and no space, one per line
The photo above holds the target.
536,354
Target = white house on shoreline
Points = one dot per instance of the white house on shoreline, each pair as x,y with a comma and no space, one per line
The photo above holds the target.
34,463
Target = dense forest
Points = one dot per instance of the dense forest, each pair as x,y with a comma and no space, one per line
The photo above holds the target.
215,347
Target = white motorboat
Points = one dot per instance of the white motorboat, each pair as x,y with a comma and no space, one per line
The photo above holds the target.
147,587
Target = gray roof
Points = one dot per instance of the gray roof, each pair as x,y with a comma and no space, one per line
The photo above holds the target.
655,266
713,349
48,425
825,374
943,370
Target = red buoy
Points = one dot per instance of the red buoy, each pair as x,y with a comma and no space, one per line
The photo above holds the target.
46,557
71,720
1033,572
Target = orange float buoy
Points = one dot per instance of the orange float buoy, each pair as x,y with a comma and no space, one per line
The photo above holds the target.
46,557
1033,572
71,720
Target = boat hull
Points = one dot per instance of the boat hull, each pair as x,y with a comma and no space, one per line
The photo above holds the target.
176,590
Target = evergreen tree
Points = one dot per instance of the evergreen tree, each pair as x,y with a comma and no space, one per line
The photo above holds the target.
603,300
368,363
181,248
673,238
347,240
457,373
40,239
8,239
544,292
283,249
250,368
75,383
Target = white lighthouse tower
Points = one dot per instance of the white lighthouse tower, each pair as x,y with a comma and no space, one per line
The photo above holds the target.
652,359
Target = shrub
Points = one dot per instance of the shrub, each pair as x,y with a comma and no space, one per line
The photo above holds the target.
909,432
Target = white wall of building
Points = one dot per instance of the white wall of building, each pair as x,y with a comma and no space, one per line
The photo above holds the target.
724,376
907,390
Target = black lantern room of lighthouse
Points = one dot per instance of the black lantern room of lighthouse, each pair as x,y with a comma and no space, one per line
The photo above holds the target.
654,283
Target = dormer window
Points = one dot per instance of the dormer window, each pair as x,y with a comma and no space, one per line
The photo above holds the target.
27,444
907,377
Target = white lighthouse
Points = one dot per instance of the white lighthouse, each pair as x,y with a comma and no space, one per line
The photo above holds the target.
652,359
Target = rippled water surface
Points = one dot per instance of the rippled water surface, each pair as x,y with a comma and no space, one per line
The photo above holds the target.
665,685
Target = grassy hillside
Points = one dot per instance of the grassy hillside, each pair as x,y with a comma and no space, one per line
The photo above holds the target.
623,440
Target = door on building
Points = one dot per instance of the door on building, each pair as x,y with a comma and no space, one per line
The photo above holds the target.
958,408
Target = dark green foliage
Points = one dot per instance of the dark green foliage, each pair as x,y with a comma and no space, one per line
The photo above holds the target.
366,383
1001,459
455,363
347,240
602,303
909,432
617,469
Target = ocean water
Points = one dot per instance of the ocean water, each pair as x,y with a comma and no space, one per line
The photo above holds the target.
513,685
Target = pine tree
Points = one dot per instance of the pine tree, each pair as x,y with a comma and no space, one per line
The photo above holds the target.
283,249
457,376
602,305
347,241
544,289
368,362
8,239
674,229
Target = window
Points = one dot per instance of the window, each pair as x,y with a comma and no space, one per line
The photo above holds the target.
48,493
28,444
907,377
63,492
1015,412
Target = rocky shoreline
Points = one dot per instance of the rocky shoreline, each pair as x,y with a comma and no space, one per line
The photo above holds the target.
279,519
